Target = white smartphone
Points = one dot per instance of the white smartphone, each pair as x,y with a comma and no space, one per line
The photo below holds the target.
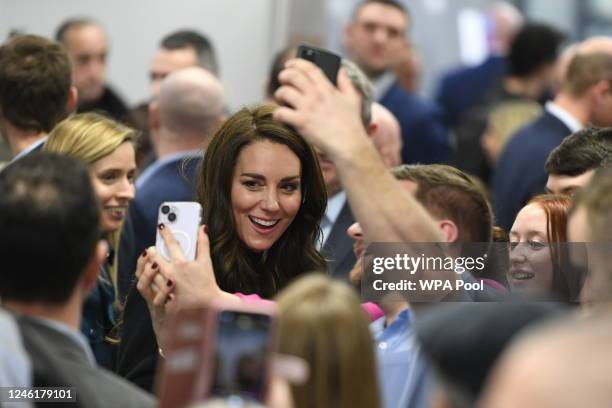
183,219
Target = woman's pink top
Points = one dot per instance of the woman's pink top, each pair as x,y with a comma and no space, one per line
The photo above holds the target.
371,309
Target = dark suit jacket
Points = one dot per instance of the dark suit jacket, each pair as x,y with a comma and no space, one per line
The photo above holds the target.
109,104
171,182
461,89
424,133
338,248
519,174
59,361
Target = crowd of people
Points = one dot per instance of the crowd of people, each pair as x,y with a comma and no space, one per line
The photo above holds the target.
510,163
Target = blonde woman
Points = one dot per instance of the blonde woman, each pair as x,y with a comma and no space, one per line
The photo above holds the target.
107,147
321,321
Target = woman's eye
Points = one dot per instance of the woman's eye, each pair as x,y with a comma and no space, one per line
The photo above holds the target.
108,177
250,184
536,246
513,245
290,188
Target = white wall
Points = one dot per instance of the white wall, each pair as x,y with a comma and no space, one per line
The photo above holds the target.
246,33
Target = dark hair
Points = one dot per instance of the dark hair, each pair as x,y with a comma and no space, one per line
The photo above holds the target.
60,34
446,191
49,227
202,46
278,64
534,46
391,3
580,152
236,267
35,79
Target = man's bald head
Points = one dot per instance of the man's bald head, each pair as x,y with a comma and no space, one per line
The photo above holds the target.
386,135
506,21
601,44
190,101
557,367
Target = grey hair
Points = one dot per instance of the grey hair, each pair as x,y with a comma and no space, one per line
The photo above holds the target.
364,87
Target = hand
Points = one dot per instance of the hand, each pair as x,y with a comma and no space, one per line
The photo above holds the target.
192,283
326,116
155,290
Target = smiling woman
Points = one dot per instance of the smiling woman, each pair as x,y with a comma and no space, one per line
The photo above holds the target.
539,263
107,148
263,196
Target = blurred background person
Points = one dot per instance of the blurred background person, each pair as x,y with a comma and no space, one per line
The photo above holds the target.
584,100
503,122
87,46
178,49
374,38
572,164
526,80
184,116
461,89
35,91
321,322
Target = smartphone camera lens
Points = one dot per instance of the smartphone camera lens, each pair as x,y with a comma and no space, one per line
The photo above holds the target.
165,209
172,217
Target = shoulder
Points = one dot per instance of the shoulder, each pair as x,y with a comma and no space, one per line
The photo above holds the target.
409,105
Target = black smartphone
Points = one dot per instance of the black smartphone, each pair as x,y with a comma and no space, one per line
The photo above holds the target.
326,60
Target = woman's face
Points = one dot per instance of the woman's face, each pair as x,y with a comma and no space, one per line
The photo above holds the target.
113,180
531,268
266,193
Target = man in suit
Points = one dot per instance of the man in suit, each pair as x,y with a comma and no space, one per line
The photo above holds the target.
461,88
183,117
375,38
52,252
585,99
87,45
35,91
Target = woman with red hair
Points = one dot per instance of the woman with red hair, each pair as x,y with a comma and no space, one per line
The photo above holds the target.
539,262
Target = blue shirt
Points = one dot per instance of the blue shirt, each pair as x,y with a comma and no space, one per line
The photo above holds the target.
403,371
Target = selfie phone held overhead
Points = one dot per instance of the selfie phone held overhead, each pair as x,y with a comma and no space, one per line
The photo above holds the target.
326,60
182,218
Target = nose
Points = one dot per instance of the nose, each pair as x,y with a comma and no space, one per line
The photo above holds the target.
270,201
126,190
380,35
355,232
517,254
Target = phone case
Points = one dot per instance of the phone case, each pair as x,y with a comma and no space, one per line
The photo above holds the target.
183,219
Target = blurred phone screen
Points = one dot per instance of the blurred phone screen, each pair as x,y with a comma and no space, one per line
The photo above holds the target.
240,360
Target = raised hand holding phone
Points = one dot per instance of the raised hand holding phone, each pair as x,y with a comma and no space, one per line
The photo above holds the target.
183,219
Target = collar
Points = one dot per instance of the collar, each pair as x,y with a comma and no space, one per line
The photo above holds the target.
401,322
564,116
30,148
158,164
68,331
382,84
334,206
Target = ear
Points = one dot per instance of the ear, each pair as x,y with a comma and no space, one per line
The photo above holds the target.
599,90
372,128
73,99
154,122
449,229
90,277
